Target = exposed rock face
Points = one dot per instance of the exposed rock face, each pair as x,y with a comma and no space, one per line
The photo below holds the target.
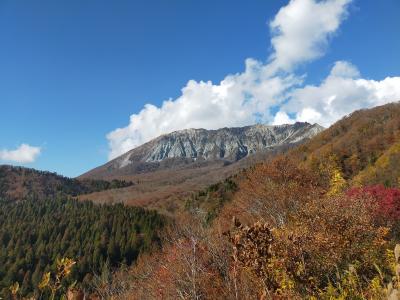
200,145
229,144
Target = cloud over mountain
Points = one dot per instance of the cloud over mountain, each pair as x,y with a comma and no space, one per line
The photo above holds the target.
23,154
301,32
237,100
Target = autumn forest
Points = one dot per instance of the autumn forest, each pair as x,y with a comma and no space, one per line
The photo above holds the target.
321,221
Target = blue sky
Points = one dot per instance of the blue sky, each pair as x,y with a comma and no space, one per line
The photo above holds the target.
72,72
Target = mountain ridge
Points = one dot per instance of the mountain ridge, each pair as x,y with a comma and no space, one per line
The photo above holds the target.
19,183
199,146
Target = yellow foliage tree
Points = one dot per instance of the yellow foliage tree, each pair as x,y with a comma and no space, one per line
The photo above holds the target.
14,290
64,268
337,183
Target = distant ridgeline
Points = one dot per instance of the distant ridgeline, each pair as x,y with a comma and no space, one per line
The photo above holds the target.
35,233
17,183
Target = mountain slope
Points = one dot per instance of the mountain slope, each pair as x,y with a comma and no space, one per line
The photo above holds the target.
364,147
366,142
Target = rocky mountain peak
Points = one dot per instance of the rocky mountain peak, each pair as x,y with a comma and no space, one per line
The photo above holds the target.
229,144
194,147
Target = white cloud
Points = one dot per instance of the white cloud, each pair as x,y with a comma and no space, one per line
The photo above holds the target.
282,117
301,32
344,69
23,154
339,94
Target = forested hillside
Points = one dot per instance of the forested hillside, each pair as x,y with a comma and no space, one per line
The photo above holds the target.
365,143
35,233
321,222
16,183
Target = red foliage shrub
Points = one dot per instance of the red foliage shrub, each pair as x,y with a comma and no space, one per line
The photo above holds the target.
387,200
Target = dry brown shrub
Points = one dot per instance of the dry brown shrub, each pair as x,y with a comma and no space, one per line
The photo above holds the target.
336,232
261,261
301,257
193,264
271,192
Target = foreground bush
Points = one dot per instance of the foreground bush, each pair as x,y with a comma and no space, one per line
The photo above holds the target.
303,258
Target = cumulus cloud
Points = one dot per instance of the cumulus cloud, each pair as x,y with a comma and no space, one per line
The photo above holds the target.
282,117
300,30
339,94
23,154
344,69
